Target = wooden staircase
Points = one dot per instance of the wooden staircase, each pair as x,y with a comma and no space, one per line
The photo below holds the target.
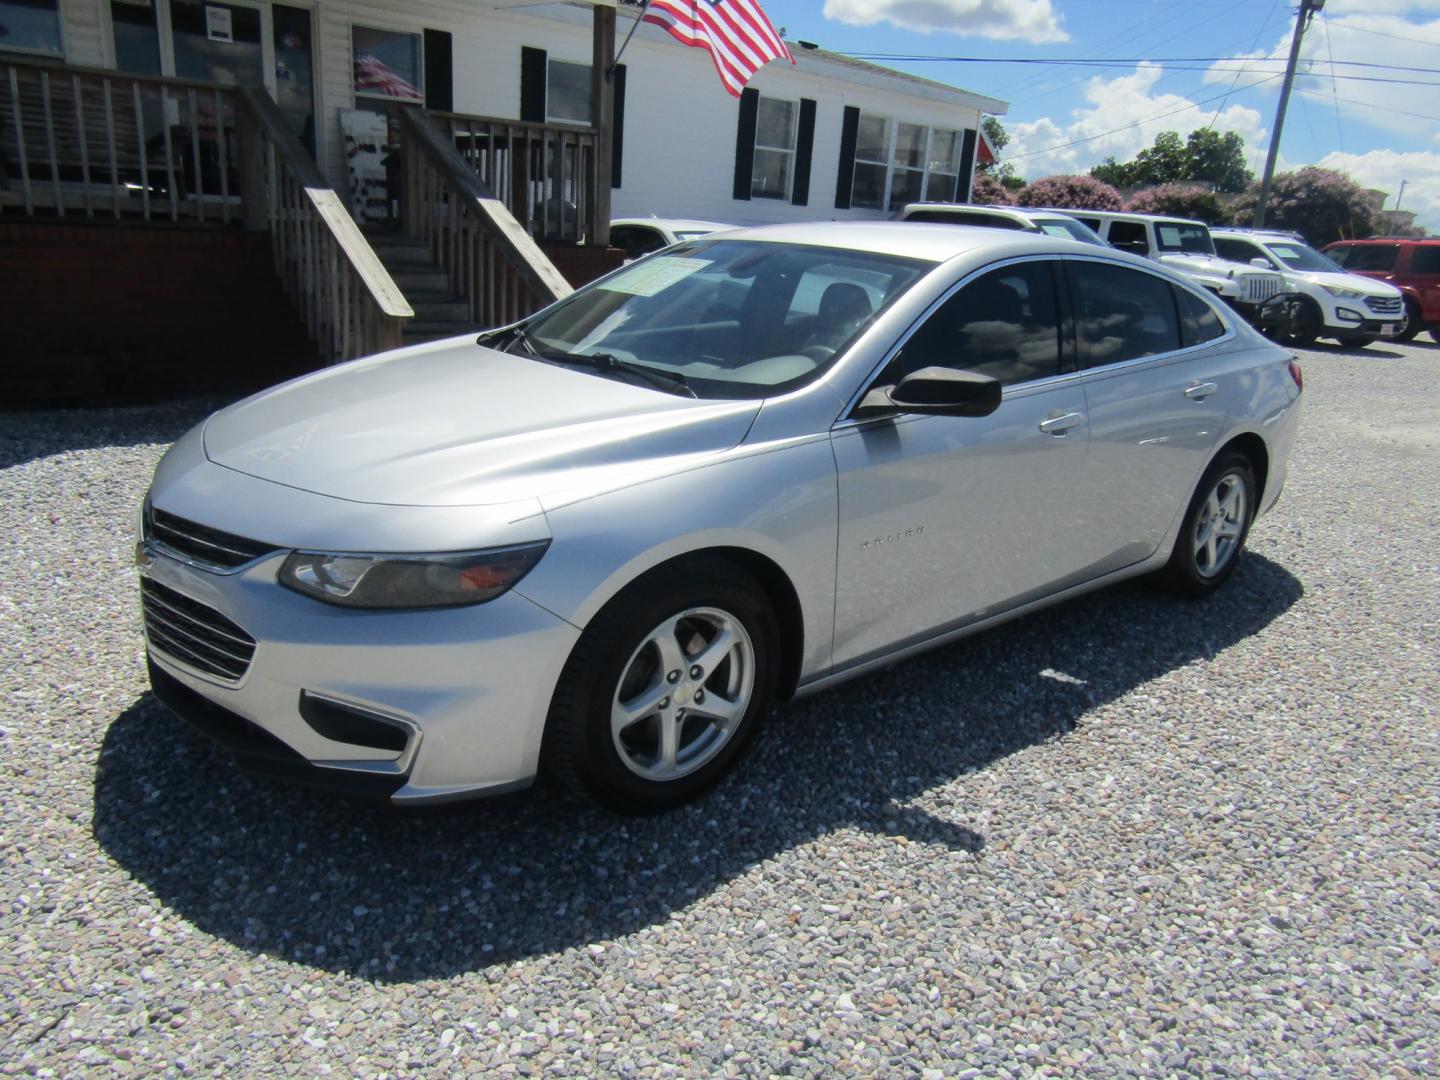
439,312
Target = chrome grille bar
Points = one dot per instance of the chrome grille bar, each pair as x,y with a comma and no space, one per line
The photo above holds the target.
194,633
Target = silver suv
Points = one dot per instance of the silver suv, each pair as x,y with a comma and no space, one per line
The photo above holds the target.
1325,300
1186,247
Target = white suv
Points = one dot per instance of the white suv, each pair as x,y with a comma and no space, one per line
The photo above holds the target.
1326,301
1186,247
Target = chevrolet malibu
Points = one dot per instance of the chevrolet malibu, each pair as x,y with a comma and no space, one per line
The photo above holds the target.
606,539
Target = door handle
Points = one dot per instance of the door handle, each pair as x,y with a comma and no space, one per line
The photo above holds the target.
1200,391
1058,425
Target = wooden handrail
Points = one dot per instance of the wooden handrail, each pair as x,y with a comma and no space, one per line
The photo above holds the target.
467,227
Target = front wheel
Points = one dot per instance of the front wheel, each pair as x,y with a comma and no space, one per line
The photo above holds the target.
1215,527
1413,323
1301,323
665,689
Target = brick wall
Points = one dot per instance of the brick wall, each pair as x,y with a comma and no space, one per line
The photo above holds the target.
103,314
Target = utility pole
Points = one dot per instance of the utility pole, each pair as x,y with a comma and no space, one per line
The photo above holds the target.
1399,198
1307,9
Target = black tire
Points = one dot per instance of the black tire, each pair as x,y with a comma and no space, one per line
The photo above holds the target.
619,648
1413,322
1435,334
1191,571
1356,341
1303,323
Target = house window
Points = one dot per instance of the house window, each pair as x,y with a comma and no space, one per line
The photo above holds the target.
31,25
774,167
567,98
137,37
386,64
899,163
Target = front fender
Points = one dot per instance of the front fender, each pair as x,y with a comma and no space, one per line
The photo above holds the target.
778,501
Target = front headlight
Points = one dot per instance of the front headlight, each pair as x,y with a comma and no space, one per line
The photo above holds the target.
409,581
1343,293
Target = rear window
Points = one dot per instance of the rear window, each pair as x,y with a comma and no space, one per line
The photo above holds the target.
1365,256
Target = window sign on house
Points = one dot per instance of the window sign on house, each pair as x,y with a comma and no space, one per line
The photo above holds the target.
899,163
774,166
386,64
567,98
31,25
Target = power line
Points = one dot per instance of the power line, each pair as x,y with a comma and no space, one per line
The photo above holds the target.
1241,69
1131,61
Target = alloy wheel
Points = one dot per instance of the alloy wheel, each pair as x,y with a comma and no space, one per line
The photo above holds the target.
1220,525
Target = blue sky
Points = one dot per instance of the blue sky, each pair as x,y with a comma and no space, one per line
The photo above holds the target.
1371,121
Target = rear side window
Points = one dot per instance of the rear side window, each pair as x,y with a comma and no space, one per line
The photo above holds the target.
1237,250
1366,256
1004,324
1129,236
1425,260
1122,314
1198,321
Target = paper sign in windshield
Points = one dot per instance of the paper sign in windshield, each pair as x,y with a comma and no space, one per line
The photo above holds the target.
655,275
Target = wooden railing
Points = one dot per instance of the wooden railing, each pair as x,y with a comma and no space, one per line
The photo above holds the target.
489,257
350,304
88,143
543,173
82,141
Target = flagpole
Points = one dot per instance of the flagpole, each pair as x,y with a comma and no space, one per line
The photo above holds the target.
633,27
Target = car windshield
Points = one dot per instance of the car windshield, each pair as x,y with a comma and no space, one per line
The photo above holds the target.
731,318
1068,229
1300,257
1180,236
1366,256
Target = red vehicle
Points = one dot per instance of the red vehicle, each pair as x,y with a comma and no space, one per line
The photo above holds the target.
1411,265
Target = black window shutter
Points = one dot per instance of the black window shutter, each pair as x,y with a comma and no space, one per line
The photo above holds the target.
845,174
534,71
745,142
617,126
967,167
804,146
439,72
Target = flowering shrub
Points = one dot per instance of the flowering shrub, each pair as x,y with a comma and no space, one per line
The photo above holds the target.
1071,192
1320,204
1180,200
990,192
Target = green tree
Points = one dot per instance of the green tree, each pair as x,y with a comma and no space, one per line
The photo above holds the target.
1218,160
1120,174
1002,172
1163,163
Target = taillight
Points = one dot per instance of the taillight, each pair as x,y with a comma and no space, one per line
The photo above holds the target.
1297,374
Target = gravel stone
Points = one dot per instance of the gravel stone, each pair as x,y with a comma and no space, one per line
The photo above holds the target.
1129,835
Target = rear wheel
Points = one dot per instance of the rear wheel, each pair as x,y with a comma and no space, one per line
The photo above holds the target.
665,689
1413,323
1216,524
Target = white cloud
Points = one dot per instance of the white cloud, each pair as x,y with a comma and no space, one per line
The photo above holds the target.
1034,21
1381,7
1369,36
1384,169
1128,103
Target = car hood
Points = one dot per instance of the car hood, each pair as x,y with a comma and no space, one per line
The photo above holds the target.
1209,264
1364,286
457,424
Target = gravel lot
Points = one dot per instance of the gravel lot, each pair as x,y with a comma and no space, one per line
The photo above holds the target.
1130,835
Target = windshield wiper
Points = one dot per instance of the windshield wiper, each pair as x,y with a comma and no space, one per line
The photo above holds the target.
602,361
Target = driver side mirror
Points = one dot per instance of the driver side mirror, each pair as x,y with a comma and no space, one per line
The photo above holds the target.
1262,263
935,391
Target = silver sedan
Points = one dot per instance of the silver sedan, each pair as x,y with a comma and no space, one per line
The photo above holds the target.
607,539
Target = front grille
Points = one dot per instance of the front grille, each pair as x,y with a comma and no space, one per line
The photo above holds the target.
194,634
1260,287
1384,305
201,544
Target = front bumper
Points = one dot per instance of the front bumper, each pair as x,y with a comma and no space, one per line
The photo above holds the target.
410,706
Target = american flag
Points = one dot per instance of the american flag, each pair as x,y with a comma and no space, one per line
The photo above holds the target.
738,36
374,76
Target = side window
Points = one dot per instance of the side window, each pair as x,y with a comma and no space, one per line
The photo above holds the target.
1092,223
1425,260
1122,314
1243,251
1198,321
1129,236
637,240
1003,324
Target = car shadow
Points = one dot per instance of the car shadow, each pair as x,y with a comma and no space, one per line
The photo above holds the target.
397,896
1363,352
28,435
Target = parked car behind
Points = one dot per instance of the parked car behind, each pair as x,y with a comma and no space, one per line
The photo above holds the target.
1411,265
1022,219
604,539
1324,301
1187,248
640,236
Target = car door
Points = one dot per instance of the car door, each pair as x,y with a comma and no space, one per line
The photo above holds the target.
1156,391
943,519
1425,277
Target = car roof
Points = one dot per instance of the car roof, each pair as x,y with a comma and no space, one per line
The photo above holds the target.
1021,213
936,242
1125,215
672,223
1388,240
1263,235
